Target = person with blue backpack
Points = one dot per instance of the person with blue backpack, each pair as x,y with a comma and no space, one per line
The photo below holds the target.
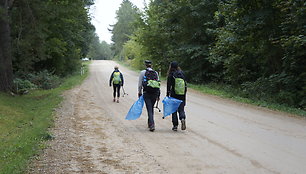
149,87
116,79
177,88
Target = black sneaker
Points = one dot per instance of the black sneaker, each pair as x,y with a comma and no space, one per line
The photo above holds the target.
152,128
174,128
183,126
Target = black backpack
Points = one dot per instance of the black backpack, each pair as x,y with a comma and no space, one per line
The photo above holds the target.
150,83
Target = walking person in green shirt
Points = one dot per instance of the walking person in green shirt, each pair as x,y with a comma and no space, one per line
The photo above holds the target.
116,79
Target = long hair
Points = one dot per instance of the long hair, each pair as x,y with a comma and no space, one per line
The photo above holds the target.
171,69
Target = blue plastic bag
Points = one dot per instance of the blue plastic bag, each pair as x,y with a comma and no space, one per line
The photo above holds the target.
136,109
170,105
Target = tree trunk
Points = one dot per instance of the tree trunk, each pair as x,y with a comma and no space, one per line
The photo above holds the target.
6,70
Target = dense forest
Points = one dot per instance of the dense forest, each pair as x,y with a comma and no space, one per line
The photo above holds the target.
255,46
42,36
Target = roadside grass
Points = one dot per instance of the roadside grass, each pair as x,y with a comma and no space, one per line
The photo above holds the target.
25,121
236,95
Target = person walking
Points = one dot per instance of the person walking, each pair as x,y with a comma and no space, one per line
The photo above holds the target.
116,79
177,88
149,87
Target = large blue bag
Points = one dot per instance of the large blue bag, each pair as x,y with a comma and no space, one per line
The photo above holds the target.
170,105
136,109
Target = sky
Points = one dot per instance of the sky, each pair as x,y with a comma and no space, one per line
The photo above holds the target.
103,14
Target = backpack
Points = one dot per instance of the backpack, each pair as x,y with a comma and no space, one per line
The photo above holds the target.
179,83
150,83
116,78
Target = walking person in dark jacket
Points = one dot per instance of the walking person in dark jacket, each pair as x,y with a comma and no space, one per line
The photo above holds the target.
149,86
116,79
177,88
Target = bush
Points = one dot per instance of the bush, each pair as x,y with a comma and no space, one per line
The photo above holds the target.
44,80
277,88
22,86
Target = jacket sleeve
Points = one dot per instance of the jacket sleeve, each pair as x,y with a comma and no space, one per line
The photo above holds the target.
158,92
185,83
111,79
122,80
142,73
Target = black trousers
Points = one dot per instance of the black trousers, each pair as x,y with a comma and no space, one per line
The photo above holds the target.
116,90
181,112
150,100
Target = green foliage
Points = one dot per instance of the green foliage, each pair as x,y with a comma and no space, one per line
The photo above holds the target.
99,51
22,86
256,46
44,80
50,35
261,48
181,31
127,15
279,88
134,54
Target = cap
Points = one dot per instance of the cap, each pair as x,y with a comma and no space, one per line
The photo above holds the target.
174,64
148,62
116,67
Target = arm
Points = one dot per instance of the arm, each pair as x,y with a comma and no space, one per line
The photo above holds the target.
142,73
111,79
122,80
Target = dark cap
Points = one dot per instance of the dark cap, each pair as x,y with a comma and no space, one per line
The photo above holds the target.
148,62
174,64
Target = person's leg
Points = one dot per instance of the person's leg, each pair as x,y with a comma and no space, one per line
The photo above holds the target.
149,106
174,121
153,101
181,111
182,115
114,92
118,93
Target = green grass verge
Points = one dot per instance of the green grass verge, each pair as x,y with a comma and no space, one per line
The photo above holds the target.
25,121
230,93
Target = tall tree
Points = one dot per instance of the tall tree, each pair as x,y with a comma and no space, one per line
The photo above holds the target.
127,15
50,35
182,31
99,50
6,72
